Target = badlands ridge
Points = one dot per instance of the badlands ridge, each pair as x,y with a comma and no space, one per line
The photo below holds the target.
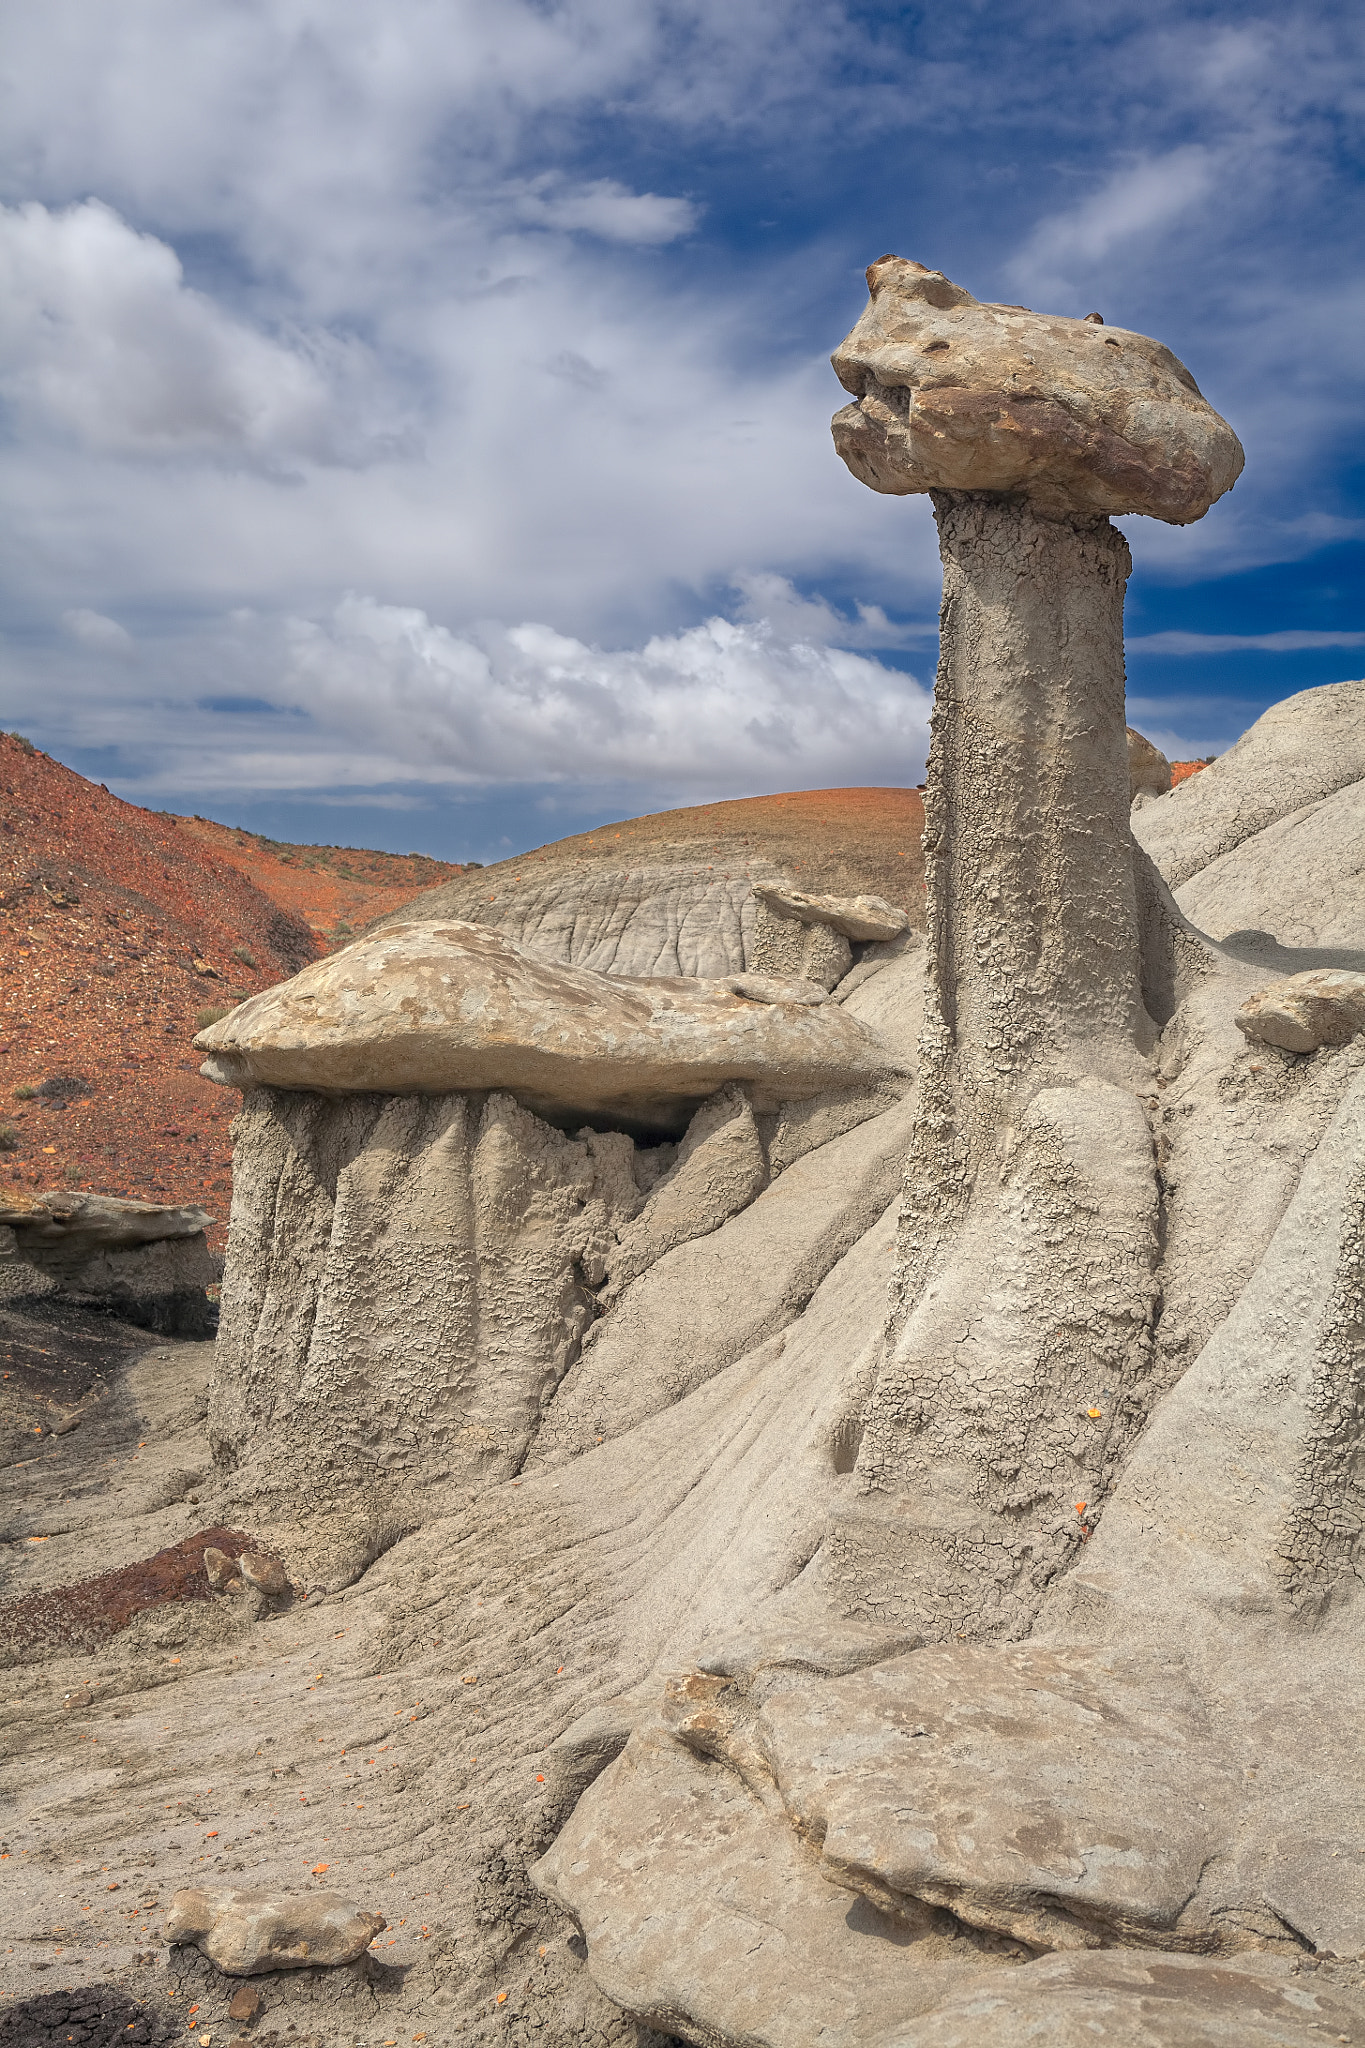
782,1464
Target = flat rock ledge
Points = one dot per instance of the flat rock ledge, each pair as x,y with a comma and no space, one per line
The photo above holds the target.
63,1222
861,918
438,1008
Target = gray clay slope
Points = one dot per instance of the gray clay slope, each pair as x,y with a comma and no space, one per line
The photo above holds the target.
750,1603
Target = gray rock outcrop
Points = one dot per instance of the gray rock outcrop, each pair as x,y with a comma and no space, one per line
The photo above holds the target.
146,1262
1266,848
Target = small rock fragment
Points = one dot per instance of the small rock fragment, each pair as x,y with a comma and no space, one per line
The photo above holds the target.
261,1570
1326,1006
247,1932
245,2004
219,1569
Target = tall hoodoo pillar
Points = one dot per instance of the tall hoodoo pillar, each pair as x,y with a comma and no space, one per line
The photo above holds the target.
1025,1283
1032,905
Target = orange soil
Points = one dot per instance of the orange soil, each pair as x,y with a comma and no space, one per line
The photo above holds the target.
333,889
118,927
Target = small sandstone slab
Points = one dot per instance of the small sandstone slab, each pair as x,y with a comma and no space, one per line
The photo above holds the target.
860,918
247,1932
1048,1793
1323,1007
951,394
432,1009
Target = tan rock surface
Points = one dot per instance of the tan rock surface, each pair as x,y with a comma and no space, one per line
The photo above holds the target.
431,1008
1326,1006
1149,772
1135,2000
248,1932
953,394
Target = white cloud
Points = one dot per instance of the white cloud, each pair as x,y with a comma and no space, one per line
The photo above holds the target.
604,208
774,600
102,340
95,630
723,705
375,695
1136,200
1233,643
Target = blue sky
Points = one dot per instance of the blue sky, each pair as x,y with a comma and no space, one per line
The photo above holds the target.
416,418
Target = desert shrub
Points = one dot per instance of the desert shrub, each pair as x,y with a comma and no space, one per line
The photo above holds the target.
25,1094
245,955
9,1138
203,1018
19,739
64,1088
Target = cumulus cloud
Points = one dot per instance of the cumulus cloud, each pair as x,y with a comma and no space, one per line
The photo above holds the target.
101,338
377,696
775,601
724,704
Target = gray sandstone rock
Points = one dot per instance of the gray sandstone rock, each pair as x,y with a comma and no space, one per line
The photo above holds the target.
799,948
1323,1007
408,1281
429,1008
146,1262
699,1916
1264,848
857,917
959,396
706,1304
719,1168
912,1777
1149,772
247,1932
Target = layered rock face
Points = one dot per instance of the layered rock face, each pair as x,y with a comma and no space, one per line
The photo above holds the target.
681,894
147,1262
418,1255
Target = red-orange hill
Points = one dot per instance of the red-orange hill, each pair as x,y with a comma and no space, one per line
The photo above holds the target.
119,928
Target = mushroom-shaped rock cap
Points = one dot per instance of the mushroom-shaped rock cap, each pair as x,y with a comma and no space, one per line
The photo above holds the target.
431,1008
955,395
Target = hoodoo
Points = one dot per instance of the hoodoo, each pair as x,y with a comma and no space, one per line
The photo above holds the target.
1030,1189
